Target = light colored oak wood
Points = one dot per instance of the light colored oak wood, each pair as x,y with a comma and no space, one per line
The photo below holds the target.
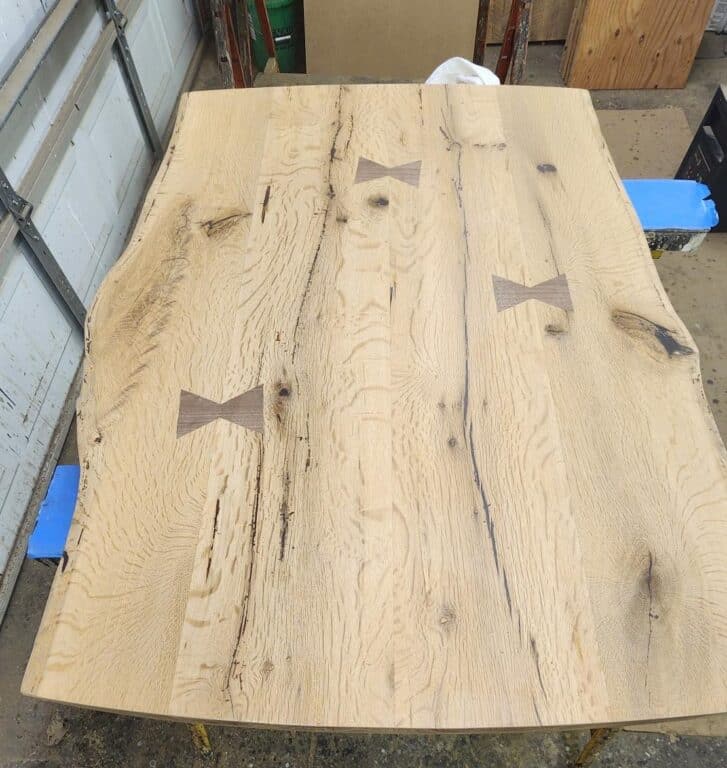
633,43
455,518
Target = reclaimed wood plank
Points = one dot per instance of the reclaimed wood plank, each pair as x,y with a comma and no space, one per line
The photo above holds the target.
469,507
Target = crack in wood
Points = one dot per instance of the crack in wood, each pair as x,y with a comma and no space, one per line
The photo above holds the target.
326,212
285,514
536,658
214,538
649,587
244,608
467,423
266,200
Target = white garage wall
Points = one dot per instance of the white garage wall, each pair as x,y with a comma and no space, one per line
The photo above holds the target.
84,215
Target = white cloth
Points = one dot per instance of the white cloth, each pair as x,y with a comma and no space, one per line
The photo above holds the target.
459,70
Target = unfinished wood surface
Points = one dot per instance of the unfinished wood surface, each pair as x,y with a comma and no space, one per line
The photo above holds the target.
407,40
455,517
381,39
633,43
549,21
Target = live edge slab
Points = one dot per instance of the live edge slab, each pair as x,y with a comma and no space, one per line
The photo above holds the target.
387,423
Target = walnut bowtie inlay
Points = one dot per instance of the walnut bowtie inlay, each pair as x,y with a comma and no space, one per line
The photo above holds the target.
246,410
368,170
554,291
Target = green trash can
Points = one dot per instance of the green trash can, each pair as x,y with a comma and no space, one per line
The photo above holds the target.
286,23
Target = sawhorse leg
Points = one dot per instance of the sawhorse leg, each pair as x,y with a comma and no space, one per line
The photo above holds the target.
599,736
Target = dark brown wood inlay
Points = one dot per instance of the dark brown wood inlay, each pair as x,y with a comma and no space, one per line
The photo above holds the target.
368,170
246,410
554,291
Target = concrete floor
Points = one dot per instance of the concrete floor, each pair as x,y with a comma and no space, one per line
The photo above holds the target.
35,733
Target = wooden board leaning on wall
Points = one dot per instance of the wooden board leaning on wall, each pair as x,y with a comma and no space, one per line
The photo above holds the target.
407,40
633,43
550,20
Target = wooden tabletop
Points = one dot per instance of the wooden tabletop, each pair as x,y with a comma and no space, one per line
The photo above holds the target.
388,423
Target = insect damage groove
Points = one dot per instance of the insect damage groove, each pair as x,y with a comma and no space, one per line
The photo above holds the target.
215,523
266,200
285,514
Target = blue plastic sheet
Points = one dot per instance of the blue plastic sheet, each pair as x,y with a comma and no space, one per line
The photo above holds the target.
54,517
672,204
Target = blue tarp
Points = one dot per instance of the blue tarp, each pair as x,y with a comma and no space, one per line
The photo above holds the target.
54,518
672,204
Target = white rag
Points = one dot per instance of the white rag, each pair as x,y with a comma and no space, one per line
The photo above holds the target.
459,70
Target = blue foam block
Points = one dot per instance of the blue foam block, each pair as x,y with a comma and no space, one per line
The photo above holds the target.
672,204
54,517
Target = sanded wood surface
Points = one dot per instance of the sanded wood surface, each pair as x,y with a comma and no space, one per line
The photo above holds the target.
633,43
458,514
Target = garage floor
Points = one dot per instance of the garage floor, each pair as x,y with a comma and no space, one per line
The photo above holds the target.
35,733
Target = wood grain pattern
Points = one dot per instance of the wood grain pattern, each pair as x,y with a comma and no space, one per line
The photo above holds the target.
455,518
550,19
633,43
554,292
368,170
245,410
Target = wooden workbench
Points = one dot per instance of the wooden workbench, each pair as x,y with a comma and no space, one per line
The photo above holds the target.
388,423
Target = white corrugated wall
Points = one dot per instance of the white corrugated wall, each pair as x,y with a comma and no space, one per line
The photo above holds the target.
84,213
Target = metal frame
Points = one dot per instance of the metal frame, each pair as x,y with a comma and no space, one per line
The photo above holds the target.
14,85
132,76
42,169
20,209
18,200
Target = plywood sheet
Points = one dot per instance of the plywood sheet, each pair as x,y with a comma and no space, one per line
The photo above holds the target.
633,43
488,492
381,39
407,40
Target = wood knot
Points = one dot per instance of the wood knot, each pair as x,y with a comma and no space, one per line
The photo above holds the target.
267,667
656,337
379,201
554,330
447,618
452,442
547,168
280,402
